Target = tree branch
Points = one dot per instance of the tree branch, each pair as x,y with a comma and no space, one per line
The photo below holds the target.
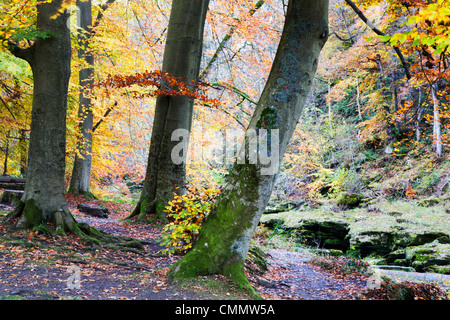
226,38
235,90
101,13
380,33
108,111
22,53
7,108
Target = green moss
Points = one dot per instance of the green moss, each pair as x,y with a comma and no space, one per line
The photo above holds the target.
349,201
428,202
32,213
222,239
159,207
438,269
268,119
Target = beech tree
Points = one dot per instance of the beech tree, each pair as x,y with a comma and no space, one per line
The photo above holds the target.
224,239
49,57
81,172
182,57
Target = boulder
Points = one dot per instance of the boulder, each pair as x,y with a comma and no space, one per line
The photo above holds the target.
372,242
328,234
428,202
93,210
432,256
349,201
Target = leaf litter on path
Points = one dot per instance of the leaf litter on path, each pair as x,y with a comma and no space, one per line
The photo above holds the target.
35,266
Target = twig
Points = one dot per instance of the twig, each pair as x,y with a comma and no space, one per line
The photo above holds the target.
380,33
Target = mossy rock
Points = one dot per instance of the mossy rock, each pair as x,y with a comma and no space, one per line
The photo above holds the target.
428,237
335,252
272,223
425,257
428,202
349,201
368,243
394,256
328,234
438,269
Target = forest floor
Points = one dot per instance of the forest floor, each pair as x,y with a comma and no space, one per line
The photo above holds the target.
39,266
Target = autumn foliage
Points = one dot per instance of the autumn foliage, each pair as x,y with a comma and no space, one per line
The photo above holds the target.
186,214
164,83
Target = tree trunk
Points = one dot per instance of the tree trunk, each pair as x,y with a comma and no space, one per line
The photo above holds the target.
182,57
5,163
81,172
23,152
43,199
437,144
358,97
225,237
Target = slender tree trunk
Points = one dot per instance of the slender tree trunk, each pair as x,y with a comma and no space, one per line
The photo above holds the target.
225,237
23,152
81,172
358,97
43,199
5,163
182,57
419,114
437,144
329,109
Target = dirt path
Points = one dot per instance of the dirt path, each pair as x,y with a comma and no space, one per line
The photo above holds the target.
290,276
36,266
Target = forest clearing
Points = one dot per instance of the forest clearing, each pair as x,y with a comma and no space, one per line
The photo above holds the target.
224,150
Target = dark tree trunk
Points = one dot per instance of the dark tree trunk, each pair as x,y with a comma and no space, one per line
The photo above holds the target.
23,152
81,172
182,57
225,237
43,199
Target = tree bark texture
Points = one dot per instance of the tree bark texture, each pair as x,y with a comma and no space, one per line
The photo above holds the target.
182,57
81,172
225,237
43,199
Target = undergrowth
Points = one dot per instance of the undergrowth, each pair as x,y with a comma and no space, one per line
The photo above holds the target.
406,290
186,214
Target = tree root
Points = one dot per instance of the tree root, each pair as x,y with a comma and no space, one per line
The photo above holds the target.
63,222
93,236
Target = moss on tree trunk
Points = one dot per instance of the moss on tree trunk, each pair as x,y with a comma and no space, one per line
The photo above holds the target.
224,239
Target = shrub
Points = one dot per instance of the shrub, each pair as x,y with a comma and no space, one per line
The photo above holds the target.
186,214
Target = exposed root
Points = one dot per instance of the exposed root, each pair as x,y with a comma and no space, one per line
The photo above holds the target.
94,236
27,216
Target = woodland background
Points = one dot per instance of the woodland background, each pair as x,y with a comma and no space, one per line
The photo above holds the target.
374,127
361,102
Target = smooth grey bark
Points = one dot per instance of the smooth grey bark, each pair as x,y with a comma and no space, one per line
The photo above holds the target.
224,239
49,58
182,57
81,172
437,138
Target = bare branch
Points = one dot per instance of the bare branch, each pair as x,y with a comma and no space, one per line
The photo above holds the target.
380,33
